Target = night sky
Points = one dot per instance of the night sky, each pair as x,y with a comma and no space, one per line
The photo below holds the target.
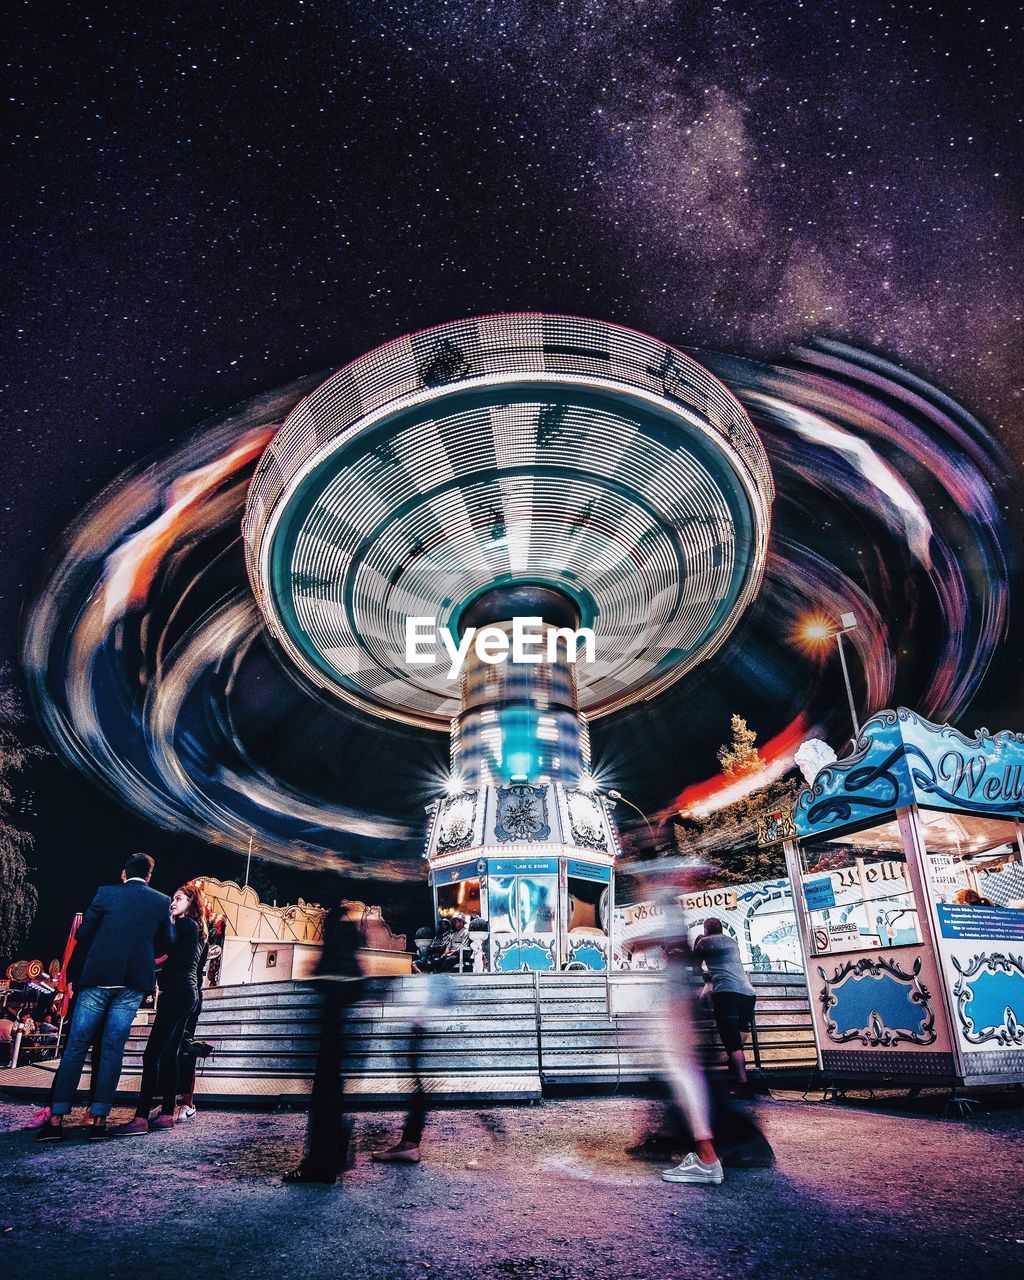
205,205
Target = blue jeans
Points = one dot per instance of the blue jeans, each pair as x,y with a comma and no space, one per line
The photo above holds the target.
106,1012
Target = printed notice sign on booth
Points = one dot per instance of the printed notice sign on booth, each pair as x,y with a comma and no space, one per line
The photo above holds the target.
819,894
1002,924
588,871
847,937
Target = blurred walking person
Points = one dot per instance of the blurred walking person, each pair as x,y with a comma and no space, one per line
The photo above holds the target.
684,1073
339,981
178,981
125,928
436,992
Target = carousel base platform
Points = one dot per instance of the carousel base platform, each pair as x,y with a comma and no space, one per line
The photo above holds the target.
503,1039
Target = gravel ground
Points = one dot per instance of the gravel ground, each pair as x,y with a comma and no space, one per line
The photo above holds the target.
542,1193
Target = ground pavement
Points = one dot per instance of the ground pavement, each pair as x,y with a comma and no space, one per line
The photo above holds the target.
541,1193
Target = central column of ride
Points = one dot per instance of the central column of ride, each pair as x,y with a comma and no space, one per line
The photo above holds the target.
522,845
520,720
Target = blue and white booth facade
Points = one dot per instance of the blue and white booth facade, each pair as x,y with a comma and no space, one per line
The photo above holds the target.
910,908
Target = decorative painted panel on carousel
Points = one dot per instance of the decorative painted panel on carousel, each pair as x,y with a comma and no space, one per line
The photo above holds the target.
514,956
521,814
587,823
456,825
588,953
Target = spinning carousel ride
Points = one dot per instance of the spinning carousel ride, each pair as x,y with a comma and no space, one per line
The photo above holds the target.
565,473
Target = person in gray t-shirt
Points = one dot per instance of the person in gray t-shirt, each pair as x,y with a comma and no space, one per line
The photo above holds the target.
732,995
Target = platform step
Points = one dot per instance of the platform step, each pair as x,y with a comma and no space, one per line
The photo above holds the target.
501,1036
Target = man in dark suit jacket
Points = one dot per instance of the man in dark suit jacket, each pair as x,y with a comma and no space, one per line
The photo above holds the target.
126,927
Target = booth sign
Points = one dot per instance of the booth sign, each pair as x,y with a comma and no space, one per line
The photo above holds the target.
903,759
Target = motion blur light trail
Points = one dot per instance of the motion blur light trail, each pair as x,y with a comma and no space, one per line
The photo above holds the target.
850,432
146,651
888,507
151,671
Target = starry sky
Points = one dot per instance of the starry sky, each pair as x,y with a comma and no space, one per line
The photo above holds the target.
203,204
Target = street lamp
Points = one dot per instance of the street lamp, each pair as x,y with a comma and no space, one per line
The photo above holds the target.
248,860
818,631
617,795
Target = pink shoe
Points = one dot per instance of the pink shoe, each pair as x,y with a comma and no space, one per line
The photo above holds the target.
161,1122
139,1125
41,1117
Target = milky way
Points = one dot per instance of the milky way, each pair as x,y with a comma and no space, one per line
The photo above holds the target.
204,207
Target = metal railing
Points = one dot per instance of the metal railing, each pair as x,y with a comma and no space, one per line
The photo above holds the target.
48,1041
560,1027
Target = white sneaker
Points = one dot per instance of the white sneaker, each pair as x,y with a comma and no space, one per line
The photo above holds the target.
187,1113
694,1170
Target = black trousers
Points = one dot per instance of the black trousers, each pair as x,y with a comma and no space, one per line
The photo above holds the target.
187,1061
734,1015
160,1060
329,1131
412,1131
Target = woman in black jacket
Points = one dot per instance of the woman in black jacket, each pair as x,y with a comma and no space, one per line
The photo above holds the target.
192,1050
178,981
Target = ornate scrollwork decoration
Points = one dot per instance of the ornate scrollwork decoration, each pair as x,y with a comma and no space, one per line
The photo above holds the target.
1009,1030
522,813
585,821
901,757
589,953
855,783
966,775
530,954
456,822
825,800
875,1032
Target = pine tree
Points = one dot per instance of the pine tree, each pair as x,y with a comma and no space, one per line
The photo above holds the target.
728,837
18,895
741,756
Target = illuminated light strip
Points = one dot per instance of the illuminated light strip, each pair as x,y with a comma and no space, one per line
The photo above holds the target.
271,477
519,852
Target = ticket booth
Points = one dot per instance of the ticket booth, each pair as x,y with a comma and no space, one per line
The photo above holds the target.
537,881
532,913
909,884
